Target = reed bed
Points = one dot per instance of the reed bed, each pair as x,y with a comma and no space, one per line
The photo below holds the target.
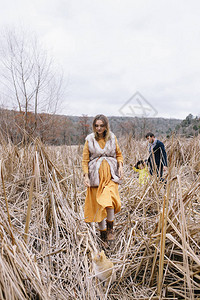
46,246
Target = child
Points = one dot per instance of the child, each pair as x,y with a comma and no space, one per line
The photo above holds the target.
141,167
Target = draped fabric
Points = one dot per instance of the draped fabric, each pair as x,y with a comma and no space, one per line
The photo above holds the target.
106,194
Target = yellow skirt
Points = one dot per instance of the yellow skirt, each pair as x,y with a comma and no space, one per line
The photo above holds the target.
105,195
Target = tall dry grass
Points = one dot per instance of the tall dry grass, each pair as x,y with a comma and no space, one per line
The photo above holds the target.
46,245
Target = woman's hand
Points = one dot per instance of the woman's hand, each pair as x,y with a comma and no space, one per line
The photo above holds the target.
86,180
120,170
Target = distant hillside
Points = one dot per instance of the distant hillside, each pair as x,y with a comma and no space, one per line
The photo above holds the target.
189,127
137,127
61,129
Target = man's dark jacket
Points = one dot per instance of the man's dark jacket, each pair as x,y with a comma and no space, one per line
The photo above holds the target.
157,158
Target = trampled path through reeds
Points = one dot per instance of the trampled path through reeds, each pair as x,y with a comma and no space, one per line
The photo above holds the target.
46,245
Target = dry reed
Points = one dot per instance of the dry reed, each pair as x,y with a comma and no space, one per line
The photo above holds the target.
46,245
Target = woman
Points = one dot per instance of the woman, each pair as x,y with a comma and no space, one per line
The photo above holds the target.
103,170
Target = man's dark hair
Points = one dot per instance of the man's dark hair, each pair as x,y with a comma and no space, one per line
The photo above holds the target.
149,134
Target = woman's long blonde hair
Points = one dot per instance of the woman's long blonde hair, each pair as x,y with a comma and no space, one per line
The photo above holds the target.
106,133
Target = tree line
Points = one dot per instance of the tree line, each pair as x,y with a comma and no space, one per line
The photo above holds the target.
189,127
71,130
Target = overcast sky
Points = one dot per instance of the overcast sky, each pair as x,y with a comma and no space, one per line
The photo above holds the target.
125,57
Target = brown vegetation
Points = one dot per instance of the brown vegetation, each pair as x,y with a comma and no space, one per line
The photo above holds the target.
56,129
46,245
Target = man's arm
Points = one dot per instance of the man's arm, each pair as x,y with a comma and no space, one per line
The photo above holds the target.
164,154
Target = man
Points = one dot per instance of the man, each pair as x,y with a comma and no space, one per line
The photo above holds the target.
157,160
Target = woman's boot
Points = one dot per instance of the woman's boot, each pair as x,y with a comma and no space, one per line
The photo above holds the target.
103,237
110,231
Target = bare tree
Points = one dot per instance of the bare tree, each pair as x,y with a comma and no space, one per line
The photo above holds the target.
84,127
29,80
